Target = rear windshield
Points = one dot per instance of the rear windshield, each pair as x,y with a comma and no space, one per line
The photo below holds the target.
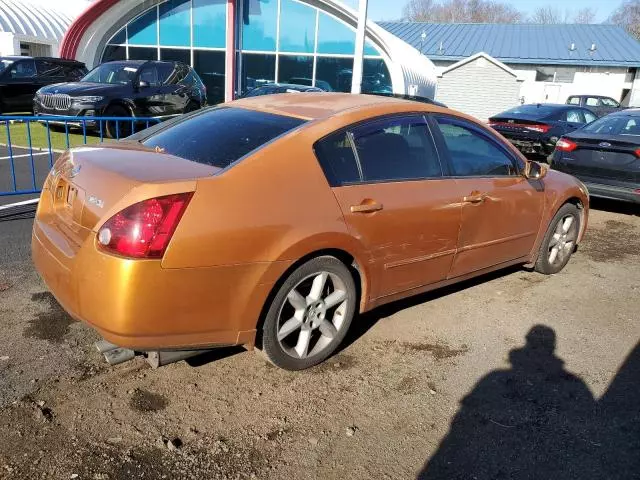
615,125
538,111
220,136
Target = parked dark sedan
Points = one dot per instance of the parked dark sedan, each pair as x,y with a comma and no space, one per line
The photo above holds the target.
21,77
127,88
534,129
273,88
605,155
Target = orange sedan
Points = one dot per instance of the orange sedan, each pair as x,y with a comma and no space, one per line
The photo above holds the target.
272,221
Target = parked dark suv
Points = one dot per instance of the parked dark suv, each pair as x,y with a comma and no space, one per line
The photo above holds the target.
21,77
125,88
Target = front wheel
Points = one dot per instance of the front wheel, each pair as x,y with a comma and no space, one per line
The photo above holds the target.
560,240
117,128
310,314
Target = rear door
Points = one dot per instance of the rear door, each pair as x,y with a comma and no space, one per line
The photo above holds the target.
501,210
388,180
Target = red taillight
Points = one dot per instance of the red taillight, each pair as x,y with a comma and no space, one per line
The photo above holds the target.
637,152
535,127
565,145
144,229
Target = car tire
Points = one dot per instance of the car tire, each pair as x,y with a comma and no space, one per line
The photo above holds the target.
124,129
560,240
309,315
191,107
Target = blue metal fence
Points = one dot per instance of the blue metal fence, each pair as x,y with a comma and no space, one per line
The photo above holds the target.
24,139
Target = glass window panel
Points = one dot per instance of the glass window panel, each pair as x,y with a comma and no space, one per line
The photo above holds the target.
142,53
257,69
334,36
375,77
297,27
143,30
120,37
176,54
565,74
337,160
335,72
112,52
545,74
175,23
209,65
291,67
369,49
209,23
259,25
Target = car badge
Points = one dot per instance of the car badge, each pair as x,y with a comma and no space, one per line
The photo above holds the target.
74,170
510,121
604,144
95,201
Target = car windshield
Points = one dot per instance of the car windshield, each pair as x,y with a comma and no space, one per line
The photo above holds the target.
118,73
218,136
539,111
5,63
615,125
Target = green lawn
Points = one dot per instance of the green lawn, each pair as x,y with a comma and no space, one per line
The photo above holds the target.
40,139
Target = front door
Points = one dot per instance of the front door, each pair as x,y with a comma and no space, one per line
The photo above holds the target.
395,200
501,210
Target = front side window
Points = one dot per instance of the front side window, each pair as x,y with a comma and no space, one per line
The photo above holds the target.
149,74
217,136
473,153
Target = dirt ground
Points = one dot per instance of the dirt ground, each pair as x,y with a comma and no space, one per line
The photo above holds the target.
515,375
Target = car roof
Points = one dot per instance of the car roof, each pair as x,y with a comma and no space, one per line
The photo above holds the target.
315,105
630,112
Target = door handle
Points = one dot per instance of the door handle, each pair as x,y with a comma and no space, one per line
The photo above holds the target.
366,208
475,198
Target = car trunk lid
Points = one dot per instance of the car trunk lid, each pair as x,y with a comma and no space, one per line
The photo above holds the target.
519,125
88,183
603,156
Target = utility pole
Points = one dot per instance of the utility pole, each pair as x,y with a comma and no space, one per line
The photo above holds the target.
356,79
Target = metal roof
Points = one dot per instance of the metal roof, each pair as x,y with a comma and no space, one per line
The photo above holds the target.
45,22
522,43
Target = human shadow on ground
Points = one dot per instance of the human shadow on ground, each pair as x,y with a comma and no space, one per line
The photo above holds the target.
538,421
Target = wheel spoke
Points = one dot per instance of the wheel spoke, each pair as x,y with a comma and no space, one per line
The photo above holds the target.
327,329
289,327
553,254
317,287
335,298
302,347
554,239
566,224
296,300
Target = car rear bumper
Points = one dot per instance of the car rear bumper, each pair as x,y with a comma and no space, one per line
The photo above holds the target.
626,194
528,144
140,305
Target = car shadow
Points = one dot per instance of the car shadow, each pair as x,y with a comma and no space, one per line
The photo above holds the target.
364,322
214,355
536,420
614,206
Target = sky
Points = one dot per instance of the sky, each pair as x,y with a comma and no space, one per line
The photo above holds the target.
392,9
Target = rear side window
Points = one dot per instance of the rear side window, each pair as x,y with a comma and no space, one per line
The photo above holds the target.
386,150
592,102
219,136
574,116
589,117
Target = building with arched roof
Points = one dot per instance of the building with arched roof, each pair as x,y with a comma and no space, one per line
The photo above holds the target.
36,28
235,45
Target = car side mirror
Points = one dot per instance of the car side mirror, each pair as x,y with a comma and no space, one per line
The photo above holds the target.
535,171
143,84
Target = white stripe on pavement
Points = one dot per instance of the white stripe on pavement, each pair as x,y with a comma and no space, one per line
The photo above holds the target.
17,204
24,155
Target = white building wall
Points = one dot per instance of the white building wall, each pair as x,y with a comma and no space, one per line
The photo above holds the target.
599,81
479,88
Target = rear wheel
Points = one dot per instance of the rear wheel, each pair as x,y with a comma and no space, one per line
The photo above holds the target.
309,315
117,129
560,240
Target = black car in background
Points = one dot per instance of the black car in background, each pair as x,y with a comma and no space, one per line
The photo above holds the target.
126,88
273,88
21,77
605,155
535,128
